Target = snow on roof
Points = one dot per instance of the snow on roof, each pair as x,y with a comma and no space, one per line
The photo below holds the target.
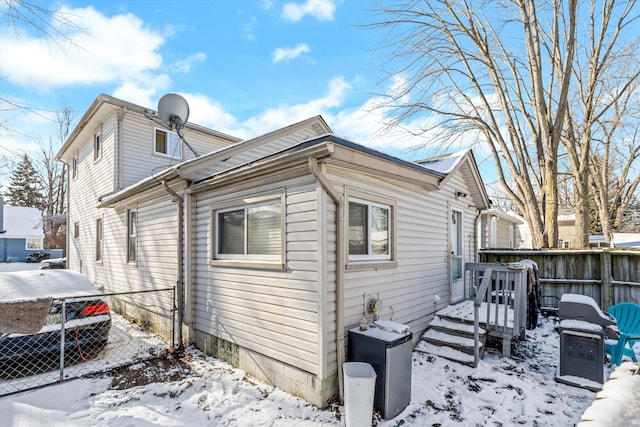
446,163
22,222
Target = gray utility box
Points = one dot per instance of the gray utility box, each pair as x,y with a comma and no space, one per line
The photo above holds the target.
583,329
390,355
581,354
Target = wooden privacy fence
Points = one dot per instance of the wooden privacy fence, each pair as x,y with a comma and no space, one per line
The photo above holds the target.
609,276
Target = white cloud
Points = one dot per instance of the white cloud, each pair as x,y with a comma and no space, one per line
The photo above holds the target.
249,29
210,113
102,49
289,53
322,10
184,65
266,4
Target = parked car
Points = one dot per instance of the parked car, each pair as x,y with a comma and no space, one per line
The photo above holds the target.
37,256
53,263
86,327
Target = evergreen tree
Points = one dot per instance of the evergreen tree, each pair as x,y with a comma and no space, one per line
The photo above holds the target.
25,188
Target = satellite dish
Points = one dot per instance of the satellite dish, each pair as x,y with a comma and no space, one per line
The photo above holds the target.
173,110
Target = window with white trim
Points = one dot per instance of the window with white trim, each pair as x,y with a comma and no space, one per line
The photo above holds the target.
33,243
167,144
74,166
132,235
369,230
97,146
76,230
252,232
99,238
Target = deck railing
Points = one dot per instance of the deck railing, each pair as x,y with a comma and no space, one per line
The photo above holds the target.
499,293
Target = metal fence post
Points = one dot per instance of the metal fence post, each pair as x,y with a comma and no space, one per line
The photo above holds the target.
62,337
173,319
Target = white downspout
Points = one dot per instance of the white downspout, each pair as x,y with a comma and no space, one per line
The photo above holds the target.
179,273
337,198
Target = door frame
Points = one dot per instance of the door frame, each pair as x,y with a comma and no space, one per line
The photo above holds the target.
456,260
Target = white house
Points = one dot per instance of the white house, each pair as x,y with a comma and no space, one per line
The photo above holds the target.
275,243
21,232
499,229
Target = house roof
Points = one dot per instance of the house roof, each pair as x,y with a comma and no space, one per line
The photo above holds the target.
99,110
445,163
507,216
20,222
215,161
335,150
224,166
464,161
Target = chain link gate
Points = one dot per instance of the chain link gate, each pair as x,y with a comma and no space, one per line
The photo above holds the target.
85,336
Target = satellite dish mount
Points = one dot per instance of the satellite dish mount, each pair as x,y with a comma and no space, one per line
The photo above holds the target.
173,112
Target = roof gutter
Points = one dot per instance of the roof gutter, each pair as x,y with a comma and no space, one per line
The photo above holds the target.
337,198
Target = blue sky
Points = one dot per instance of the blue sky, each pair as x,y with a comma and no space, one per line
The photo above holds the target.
245,67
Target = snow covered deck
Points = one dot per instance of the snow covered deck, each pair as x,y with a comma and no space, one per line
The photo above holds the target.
489,313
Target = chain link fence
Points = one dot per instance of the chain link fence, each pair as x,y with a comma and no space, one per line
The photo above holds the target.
84,336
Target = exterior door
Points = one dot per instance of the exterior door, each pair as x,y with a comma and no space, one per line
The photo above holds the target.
456,259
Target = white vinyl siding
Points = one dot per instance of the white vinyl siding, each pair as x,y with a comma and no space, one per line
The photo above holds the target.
407,290
137,160
94,179
272,312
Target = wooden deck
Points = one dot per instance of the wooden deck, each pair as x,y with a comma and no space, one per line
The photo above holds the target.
463,313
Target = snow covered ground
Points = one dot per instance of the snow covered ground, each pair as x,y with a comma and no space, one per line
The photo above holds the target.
200,390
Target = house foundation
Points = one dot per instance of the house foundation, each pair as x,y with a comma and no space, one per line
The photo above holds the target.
294,381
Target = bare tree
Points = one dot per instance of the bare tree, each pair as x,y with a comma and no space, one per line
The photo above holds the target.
606,74
52,175
498,70
614,171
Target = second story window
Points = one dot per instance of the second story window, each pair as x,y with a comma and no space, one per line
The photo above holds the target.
167,144
76,230
74,166
97,146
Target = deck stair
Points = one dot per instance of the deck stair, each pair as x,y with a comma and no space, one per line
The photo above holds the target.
451,338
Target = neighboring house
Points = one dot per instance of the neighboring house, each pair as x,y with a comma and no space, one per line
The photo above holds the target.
275,243
499,229
566,228
626,240
21,232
